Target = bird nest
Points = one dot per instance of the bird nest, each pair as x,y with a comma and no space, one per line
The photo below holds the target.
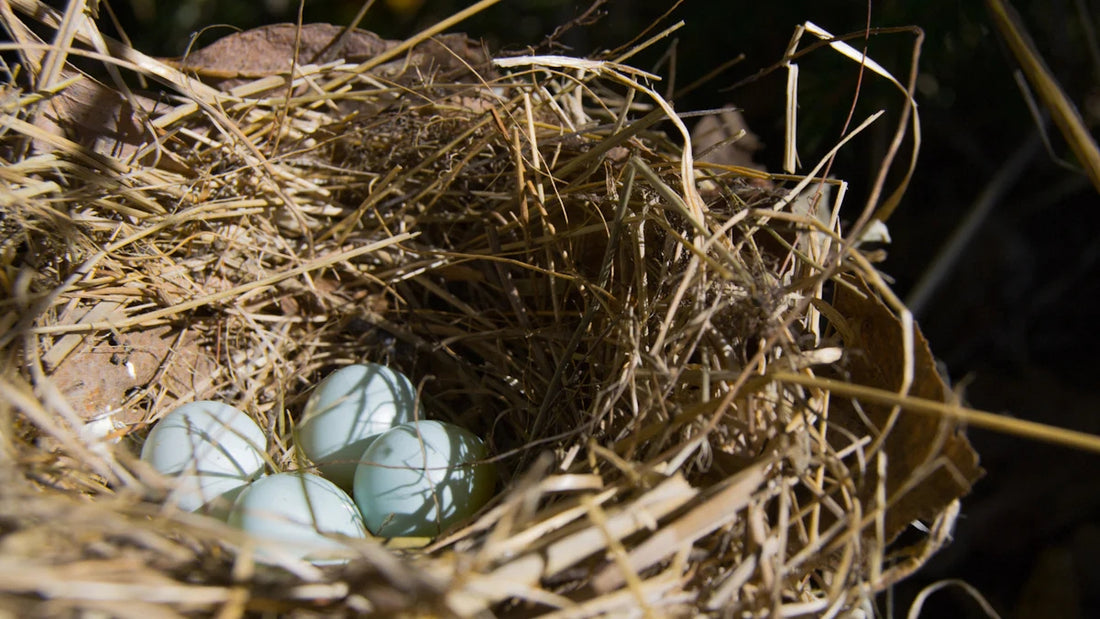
695,387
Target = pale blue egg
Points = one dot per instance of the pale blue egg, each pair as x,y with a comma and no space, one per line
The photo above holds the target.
298,515
213,448
347,411
418,479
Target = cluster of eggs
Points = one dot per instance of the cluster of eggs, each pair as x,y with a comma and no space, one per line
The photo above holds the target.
364,430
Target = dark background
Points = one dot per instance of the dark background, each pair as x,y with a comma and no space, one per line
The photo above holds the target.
1015,322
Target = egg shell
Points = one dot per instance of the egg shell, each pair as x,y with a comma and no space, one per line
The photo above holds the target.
213,448
298,515
349,408
411,469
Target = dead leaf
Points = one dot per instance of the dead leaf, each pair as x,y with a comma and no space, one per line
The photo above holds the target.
269,50
918,444
104,121
84,110
97,373
715,140
241,57
96,117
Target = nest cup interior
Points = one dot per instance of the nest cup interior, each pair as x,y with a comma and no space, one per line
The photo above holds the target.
525,308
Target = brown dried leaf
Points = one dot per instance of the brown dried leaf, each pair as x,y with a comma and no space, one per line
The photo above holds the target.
270,50
918,446
714,140
86,111
97,374
95,117
101,119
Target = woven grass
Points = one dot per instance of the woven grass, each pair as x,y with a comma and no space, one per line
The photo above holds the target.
663,356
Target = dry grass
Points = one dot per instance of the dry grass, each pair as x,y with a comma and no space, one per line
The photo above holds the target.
651,346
